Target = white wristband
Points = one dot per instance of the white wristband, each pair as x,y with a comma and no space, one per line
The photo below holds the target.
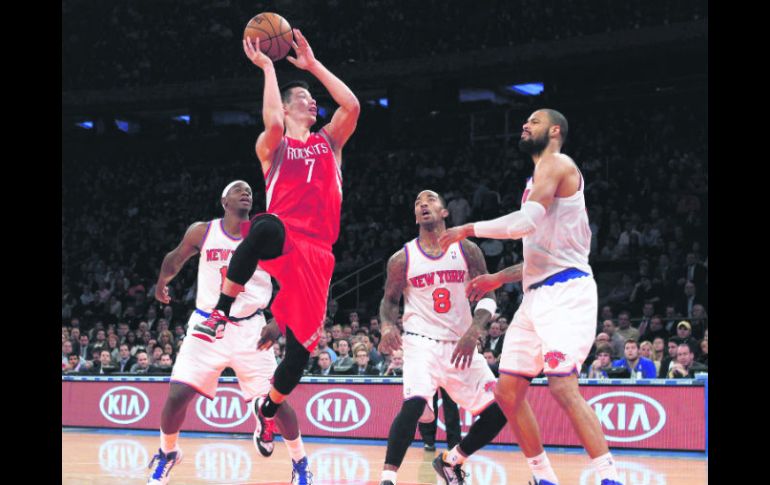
487,304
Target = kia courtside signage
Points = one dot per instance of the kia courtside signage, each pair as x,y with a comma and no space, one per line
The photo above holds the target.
633,416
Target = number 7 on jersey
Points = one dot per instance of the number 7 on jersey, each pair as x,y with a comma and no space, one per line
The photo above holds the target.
310,162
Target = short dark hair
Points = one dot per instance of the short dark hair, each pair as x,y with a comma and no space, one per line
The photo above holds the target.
686,344
286,89
631,341
559,120
604,349
73,354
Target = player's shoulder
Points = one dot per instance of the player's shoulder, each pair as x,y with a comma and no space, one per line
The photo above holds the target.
469,246
398,258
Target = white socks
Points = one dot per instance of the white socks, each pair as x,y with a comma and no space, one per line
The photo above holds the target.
388,475
296,448
540,466
605,467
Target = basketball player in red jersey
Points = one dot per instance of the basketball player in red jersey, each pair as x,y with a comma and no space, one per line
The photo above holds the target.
293,240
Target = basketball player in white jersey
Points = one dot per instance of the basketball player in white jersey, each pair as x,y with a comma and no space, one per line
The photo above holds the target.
554,326
439,341
200,364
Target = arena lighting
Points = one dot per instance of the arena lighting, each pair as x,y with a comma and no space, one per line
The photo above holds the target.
183,118
322,111
86,124
122,125
383,102
528,89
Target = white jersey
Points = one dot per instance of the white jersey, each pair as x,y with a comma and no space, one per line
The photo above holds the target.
216,250
435,304
561,241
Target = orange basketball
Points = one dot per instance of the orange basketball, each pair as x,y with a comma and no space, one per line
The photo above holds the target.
274,33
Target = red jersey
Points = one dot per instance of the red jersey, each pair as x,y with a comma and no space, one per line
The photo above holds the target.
304,187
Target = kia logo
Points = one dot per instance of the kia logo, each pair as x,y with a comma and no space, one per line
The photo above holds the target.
227,410
628,416
338,410
222,462
124,405
123,457
339,464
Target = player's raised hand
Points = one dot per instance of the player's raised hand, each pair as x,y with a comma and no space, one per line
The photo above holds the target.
305,58
255,55
455,234
464,350
481,285
270,335
161,294
390,340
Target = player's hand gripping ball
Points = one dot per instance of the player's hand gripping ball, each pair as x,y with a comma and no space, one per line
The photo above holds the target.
274,33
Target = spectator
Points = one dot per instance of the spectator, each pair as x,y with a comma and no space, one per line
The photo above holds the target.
74,364
699,321
495,339
142,364
685,365
668,361
362,367
646,351
125,359
324,363
648,310
703,358
655,330
625,330
492,361
164,365
66,350
639,367
603,361
616,340
689,300
344,361
85,349
396,366
684,334
104,365
323,347
694,271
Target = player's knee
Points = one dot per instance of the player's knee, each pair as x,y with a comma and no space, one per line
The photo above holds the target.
266,236
509,392
412,409
564,390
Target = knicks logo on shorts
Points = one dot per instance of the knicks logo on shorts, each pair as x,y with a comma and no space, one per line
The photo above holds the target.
553,358
490,386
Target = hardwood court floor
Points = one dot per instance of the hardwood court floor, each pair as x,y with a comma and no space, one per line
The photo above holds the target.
107,458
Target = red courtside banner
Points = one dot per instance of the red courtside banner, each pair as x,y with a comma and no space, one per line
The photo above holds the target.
669,417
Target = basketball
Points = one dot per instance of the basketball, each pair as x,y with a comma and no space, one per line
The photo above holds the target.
274,33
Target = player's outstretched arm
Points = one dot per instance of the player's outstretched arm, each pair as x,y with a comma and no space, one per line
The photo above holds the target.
483,284
272,108
466,346
549,173
175,259
394,288
345,118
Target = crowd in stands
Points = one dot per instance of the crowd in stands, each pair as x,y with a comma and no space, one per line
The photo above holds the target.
125,43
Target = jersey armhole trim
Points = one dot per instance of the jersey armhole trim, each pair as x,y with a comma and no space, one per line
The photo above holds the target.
205,235
406,266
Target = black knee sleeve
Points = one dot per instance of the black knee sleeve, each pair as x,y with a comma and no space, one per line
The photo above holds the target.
402,431
289,371
264,241
489,424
